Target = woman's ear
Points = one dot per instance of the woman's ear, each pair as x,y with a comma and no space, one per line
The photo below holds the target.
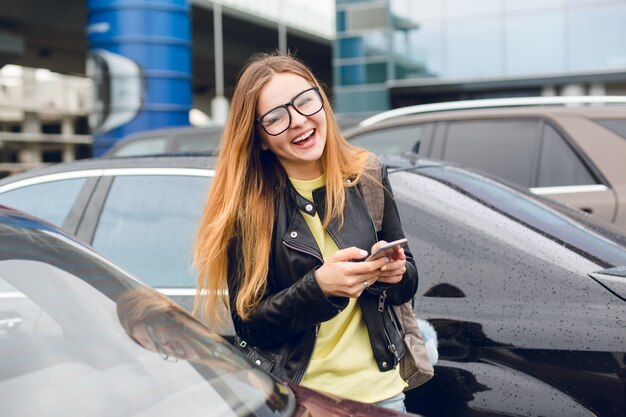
264,146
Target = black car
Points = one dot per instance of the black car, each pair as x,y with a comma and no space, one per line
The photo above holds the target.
528,297
80,337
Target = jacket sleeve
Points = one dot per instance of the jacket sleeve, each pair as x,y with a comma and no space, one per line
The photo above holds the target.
281,315
392,230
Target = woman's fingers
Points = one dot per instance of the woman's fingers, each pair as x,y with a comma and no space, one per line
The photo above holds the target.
349,254
394,272
346,275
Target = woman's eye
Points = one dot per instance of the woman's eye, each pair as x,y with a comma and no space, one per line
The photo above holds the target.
303,101
270,119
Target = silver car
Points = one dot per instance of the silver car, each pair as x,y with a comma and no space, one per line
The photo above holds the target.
570,149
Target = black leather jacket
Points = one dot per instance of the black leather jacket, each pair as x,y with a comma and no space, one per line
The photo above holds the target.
281,333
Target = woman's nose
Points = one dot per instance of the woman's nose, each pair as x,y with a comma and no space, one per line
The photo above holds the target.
296,118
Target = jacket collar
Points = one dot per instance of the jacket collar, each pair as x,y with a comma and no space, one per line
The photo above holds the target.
302,204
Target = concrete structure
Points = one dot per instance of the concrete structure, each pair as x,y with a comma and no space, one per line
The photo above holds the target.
392,53
42,118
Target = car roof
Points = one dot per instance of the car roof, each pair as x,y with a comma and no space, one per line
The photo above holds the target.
591,112
165,161
487,105
174,131
169,133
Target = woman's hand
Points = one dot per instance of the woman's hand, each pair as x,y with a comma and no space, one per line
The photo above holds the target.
340,278
392,272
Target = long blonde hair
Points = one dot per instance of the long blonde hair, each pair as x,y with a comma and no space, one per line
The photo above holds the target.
240,204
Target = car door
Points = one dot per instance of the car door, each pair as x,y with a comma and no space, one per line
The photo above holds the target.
145,219
564,175
531,152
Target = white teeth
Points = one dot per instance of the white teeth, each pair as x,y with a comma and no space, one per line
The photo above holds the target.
303,137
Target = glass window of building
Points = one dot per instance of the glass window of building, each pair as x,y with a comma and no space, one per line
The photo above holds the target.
504,148
372,100
419,52
596,36
583,2
365,45
474,48
350,1
530,5
464,8
477,41
375,73
365,18
534,42
558,164
341,20
418,10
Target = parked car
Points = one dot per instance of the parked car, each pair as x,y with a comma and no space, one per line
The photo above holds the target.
174,140
81,337
528,297
571,149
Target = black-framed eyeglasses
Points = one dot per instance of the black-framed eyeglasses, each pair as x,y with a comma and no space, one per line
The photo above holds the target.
277,120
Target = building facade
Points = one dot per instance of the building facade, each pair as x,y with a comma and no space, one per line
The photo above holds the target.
43,118
391,53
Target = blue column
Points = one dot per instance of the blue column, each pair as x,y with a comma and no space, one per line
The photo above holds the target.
140,63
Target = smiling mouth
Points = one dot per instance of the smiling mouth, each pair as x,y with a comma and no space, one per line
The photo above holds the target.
304,138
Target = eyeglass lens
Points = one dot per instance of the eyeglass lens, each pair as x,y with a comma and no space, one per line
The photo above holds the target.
278,120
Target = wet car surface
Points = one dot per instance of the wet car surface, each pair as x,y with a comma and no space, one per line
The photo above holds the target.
527,296
80,336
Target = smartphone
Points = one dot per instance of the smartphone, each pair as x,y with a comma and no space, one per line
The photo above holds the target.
387,249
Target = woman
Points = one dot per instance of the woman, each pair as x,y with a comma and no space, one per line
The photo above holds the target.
286,231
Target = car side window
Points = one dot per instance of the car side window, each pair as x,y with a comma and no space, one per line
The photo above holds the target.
393,140
51,201
503,148
147,146
558,163
204,143
148,224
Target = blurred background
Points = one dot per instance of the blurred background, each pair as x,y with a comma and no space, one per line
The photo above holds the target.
76,76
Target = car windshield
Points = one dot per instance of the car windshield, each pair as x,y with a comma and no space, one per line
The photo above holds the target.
78,336
597,243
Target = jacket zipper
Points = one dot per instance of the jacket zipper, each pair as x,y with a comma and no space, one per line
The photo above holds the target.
306,359
381,301
390,346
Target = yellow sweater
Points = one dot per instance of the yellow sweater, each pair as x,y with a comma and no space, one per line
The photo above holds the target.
343,361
